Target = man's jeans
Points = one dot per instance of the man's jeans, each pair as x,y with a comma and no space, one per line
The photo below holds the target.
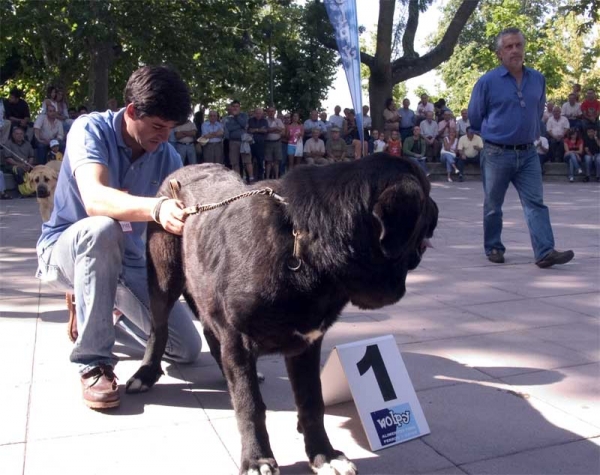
499,167
592,161
461,162
87,259
187,152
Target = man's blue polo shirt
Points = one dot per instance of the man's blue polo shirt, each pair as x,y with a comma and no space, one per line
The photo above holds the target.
503,113
97,138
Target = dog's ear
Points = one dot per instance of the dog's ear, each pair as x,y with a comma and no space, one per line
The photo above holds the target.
398,210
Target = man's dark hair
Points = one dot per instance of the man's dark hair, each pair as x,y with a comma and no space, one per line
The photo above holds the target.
469,129
16,92
158,91
72,109
235,101
82,108
17,127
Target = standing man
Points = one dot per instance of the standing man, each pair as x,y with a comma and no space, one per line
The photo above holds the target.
407,120
185,136
236,125
273,155
258,127
506,106
429,130
313,123
590,109
336,119
463,123
94,243
212,134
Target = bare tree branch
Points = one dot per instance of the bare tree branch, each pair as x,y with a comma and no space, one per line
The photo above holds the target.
405,68
408,39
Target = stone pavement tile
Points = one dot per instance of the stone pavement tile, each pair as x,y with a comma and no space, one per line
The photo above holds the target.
588,304
17,347
12,458
57,409
13,415
479,421
576,393
528,313
574,458
185,448
447,471
346,434
582,337
501,354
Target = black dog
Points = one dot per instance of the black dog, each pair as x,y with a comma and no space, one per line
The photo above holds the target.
267,276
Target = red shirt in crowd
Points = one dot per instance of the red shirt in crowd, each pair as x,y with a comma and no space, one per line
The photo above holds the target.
573,145
394,147
590,108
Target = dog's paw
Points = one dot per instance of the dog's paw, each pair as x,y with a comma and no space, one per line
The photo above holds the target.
266,466
142,380
339,465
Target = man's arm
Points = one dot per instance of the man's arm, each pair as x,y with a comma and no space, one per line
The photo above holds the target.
478,105
100,199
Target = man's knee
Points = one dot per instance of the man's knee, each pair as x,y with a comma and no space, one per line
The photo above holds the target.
104,234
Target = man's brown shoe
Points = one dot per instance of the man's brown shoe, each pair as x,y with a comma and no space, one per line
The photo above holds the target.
72,326
100,389
555,257
496,256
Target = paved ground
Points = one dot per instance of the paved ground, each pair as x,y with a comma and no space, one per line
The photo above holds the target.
505,360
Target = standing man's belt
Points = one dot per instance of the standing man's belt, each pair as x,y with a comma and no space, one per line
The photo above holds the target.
522,146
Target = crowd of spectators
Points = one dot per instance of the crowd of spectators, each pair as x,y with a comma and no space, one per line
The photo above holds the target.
265,143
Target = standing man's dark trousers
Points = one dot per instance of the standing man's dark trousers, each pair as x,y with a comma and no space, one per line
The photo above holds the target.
258,152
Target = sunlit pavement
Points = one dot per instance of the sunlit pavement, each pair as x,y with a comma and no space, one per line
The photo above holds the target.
505,360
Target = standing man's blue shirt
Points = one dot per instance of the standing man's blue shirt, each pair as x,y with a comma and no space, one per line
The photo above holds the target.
407,118
97,138
497,97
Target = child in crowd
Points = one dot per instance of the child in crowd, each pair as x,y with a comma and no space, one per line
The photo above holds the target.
54,153
394,145
378,142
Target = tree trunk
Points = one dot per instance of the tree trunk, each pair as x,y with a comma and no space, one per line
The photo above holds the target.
380,89
101,56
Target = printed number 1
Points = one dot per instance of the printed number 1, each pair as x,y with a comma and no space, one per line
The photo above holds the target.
373,359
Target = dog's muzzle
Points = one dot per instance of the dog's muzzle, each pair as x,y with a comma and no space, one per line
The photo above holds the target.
42,191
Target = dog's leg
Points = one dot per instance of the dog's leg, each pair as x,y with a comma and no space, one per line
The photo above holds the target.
239,367
303,371
165,285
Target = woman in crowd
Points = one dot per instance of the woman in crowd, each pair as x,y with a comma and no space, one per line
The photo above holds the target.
391,118
50,99
294,132
350,133
448,155
573,152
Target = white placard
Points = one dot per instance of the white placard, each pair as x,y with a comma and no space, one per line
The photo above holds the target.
372,372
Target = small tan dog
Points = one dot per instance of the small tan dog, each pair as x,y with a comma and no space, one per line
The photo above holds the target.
43,178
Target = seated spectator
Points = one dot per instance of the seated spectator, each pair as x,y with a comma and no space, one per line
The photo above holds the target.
73,113
50,99
548,111
394,144
469,148
185,138
573,153
62,108
112,105
448,156
415,148
17,111
312,123
19,159
407,120
337,120
314,149
212,136
591,148
54,153
273,152
258,127
572,111
429,131
82,110
391,118
590,109
350,133
423,107
5,125
336,147
378,142
462,123
294,132
46,128
440,109
556,128
446,124
3,194
542,147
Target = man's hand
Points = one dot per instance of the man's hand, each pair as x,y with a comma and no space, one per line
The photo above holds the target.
172,216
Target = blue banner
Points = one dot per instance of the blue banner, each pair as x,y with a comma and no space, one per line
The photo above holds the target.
342,15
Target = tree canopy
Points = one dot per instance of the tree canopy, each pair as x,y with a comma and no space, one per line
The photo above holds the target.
220,48
556,45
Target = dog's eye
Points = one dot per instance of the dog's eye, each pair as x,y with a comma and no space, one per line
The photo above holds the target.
46,179
37,179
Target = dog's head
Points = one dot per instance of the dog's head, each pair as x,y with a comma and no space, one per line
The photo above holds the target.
43,180
402,221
